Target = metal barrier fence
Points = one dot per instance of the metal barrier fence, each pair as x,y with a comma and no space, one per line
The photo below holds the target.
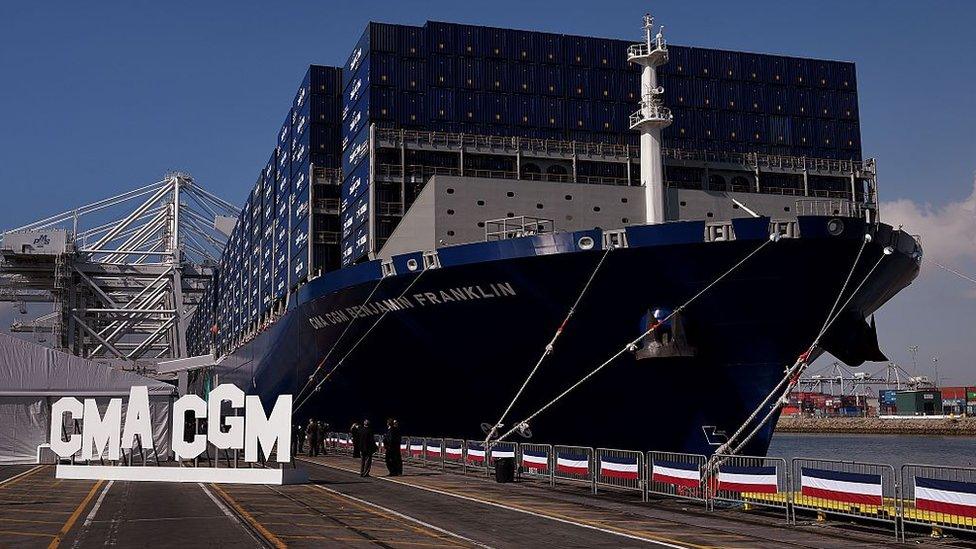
454,454
574,463
750,481
380,445
535,461
862,490
500,450
434,451
346,443
677,475
415,450
475,456
622,469
938,497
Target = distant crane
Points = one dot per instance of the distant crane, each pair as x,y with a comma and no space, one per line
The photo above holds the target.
838,379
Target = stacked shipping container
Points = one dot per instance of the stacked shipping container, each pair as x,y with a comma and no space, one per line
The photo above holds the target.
482,80
268,252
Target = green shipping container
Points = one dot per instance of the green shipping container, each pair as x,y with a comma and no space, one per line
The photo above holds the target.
926,402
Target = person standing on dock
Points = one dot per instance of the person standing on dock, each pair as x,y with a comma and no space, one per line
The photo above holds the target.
312,434
297,439
356,446
391,441
367,447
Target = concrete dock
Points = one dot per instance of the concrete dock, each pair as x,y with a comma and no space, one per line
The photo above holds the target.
423,508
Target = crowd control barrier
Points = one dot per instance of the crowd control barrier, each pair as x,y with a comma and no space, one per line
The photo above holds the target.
750,481
415,450
678,475
535,461
499,450
862,490
932,496
573,463
453,454
938,497
475,456
434,452
622,469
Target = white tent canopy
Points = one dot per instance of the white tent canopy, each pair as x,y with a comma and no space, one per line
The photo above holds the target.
32,377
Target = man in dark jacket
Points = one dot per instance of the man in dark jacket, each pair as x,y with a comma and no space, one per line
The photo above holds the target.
392,440
312,434
367,445
354,432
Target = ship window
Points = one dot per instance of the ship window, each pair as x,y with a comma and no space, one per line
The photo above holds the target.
481,223
450,233
510,214
510,194
450,212
710,214
569,218
735,206
786,209
481,202
683,203
450,190
623,200
596,208
625,220
539,206
569,197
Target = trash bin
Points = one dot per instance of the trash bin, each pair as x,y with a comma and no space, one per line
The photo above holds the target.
505,469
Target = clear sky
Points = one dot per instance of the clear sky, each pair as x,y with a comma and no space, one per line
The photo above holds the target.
98,97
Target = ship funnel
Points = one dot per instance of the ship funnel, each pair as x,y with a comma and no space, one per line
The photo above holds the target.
651,117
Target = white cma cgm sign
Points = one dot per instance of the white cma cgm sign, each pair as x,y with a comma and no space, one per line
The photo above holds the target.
105,433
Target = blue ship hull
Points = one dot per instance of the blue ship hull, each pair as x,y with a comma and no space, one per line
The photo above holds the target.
453,350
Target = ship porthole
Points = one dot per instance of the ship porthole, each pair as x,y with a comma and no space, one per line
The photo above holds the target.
835,227
585,243
412,264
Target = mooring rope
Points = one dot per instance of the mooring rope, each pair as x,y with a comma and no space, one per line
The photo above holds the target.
549,347
632,344
792,374
318,386
335,345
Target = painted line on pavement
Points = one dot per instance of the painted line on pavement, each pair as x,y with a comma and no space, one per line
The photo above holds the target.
403,516
16,478
674,544
74,516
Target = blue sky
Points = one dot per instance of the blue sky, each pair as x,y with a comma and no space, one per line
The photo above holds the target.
98,97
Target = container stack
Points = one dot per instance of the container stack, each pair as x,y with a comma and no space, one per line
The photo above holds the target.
270,251
746,102
502,82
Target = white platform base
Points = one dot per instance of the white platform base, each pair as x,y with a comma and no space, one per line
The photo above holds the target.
151,473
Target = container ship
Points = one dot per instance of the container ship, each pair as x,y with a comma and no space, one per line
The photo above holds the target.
434,208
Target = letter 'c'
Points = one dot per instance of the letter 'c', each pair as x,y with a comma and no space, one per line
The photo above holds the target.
183,449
